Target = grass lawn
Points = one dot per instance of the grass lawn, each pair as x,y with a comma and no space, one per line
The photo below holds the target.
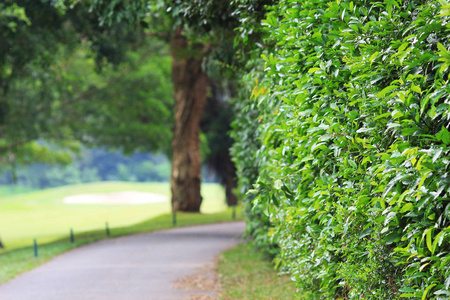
246,273
44,216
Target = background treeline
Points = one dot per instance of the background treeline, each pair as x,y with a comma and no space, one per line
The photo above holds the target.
91,165
343,145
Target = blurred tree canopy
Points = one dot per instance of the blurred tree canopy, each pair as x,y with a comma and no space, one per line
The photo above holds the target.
65,79
97,72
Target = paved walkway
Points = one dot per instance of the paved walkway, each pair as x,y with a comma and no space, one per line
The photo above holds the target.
142,266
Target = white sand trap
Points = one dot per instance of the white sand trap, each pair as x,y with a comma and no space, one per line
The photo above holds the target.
118,198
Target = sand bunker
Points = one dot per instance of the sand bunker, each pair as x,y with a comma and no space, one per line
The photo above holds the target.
118,198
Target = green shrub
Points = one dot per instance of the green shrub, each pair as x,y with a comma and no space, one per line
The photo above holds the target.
245,130
354,156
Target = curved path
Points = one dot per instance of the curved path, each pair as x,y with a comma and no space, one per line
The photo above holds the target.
142,266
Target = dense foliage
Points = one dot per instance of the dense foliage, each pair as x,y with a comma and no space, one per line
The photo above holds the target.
65,79
351,146
126,107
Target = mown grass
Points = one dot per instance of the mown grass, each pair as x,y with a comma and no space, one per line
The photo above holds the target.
20,260
44,216
247,273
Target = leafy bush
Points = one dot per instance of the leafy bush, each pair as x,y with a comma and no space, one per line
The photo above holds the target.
354,155
245,130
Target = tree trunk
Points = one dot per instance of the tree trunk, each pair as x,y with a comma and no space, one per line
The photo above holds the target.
229,181
190,86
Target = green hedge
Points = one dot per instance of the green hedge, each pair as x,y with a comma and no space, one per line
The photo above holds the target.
246,131
353,163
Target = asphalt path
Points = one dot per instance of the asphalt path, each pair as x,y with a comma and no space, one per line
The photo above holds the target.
135,267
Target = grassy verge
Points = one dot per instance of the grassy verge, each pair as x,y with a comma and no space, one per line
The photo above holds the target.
247,273
20,260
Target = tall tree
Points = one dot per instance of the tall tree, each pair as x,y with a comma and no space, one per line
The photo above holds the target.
199,31
216,123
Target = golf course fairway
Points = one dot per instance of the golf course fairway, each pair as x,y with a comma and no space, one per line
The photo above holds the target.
43,215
